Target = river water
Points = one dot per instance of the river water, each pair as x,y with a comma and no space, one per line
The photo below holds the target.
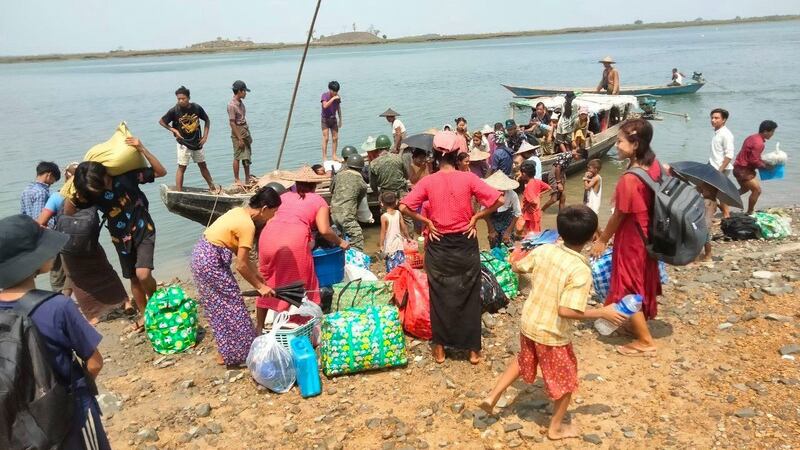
58,110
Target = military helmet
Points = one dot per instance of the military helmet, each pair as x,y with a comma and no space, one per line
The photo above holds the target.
348,151
355,162
277,187
383,142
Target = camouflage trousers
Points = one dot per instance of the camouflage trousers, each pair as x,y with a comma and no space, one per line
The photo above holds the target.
348,224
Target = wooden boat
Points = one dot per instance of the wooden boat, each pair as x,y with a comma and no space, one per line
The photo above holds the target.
530,92
203,207
601,144
689,88
600,104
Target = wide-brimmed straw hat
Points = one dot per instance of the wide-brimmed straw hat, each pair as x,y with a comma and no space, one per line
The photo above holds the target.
487,129
25,247
501,182
607,59
526,147
306,174
476,155
449,141
276,176
389,113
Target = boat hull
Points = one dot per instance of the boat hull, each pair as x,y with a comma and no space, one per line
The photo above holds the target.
601,144
531,92
203,207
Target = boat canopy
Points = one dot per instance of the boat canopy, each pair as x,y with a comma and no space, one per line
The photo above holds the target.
595,103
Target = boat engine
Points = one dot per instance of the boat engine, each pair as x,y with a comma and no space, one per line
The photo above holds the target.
647,103
698,77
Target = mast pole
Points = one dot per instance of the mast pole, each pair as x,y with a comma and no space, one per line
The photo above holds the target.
297,85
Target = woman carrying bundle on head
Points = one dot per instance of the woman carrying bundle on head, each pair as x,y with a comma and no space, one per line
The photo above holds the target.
229,239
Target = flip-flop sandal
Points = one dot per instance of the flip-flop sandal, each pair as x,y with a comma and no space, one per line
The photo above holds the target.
635,352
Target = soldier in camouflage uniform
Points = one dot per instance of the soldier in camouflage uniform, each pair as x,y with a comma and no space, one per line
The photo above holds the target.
388,173
348,190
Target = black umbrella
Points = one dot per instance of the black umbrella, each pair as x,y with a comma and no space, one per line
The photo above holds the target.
292,293
422,140
698,173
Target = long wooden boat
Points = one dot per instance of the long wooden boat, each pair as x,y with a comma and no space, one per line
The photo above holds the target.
530,92
203,207
601,144
602,141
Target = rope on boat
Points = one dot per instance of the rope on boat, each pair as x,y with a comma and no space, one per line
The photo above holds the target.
211,216
297,84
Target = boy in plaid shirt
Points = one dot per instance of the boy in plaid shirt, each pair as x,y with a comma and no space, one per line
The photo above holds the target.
563,283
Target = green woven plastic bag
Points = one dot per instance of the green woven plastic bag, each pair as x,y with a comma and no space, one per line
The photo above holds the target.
170,320
501,269
773,226
359,293
359,339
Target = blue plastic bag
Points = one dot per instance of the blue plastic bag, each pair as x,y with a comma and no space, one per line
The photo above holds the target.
601,273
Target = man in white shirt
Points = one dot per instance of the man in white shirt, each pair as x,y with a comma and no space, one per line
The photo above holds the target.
721,148
398,129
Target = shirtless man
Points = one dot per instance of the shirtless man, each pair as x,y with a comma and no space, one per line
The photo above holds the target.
610,81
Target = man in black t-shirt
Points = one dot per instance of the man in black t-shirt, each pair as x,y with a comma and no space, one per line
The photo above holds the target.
183,121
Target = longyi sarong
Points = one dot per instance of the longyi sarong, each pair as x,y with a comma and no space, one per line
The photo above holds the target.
222,301
453,265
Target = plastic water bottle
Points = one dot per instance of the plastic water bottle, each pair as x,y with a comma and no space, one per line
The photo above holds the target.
305,364
628,306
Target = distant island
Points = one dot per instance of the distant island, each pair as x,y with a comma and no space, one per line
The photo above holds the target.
372,37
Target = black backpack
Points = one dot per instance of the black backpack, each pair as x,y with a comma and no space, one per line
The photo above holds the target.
740,227
678,229
35,409
83,229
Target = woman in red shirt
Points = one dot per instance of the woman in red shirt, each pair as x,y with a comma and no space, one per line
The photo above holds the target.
632,269
452,258
284,247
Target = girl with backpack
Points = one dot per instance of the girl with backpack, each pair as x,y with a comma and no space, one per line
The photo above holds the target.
633,271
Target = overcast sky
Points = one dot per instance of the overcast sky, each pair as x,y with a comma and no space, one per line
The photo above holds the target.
71,26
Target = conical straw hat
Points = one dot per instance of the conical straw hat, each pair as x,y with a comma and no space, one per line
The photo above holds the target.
476,155
501,182
306,175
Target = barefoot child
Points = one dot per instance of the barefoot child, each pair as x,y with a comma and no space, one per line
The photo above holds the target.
563,283
393,232
593,185
531,220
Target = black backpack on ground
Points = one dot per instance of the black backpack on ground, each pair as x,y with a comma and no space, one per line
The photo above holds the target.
35,409
83,229
740,227
678,230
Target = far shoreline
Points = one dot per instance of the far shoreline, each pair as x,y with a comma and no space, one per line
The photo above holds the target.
402,40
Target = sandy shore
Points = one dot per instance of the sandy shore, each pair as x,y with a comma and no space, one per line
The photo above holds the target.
719,380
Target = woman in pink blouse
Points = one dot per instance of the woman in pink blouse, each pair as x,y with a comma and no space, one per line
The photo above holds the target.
284,247
452,259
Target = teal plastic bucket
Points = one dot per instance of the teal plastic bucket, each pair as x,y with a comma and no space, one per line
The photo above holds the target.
774,173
